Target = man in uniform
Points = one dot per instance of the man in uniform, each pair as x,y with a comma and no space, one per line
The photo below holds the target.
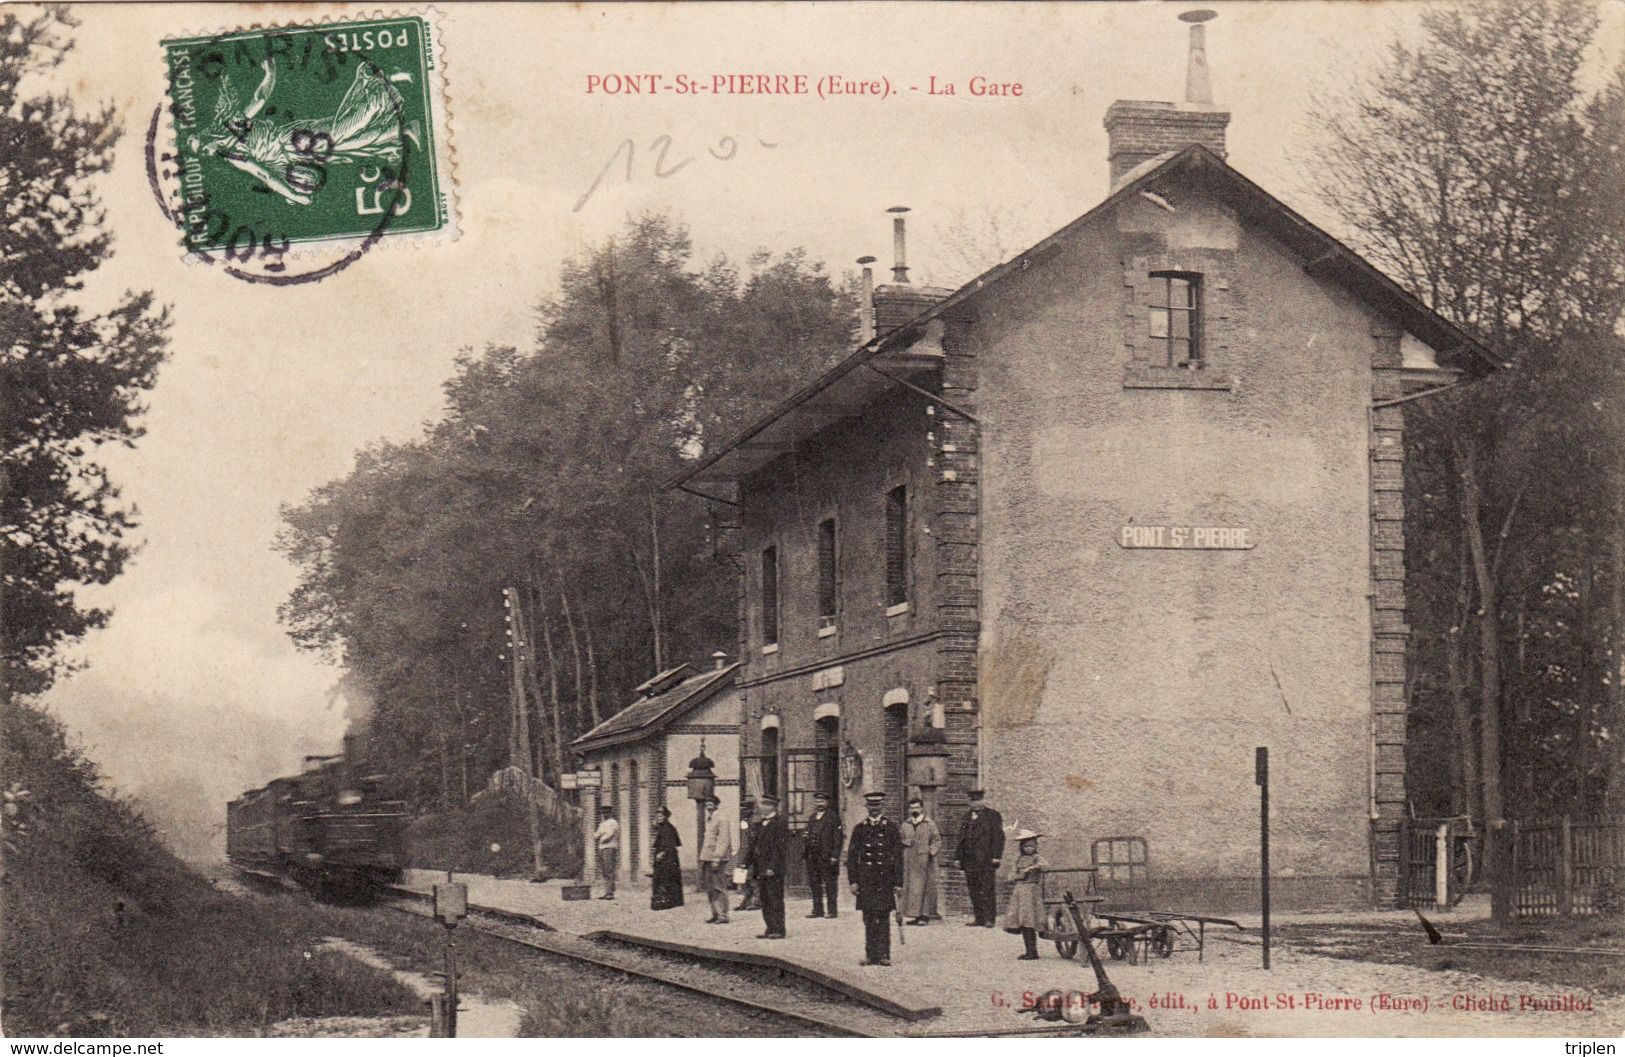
874,866
822,850
766,862
981,846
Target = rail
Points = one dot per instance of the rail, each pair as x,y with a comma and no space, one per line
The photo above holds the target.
628,967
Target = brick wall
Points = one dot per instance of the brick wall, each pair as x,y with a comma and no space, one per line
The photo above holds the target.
957,533
1138,130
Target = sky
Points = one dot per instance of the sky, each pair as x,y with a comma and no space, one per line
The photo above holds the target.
193,692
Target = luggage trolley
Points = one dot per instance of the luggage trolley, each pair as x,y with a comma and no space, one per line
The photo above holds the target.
1060,925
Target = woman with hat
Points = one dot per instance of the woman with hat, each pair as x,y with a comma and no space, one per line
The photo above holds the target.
667,891
1025,914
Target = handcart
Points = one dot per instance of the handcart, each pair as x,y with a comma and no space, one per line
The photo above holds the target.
1129,935
1060,925
1135,934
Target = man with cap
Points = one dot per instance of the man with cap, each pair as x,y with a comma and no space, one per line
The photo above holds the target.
716,848
766,862
981,847
821,848
874,866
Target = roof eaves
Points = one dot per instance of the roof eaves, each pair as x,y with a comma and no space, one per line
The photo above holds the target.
706,685
1193,156
1368,271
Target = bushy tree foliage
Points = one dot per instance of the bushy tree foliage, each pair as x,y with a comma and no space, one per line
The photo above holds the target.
70,380
544,474
1484,169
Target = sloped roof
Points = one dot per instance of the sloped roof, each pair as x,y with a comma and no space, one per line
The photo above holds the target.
651,714
844,385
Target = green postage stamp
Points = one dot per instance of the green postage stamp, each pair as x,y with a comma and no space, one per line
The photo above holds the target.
314,142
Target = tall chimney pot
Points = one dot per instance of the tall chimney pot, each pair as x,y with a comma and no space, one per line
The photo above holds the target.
899,271
1140,131
1198,87
866,306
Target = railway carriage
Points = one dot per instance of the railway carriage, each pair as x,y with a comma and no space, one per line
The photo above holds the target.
330,828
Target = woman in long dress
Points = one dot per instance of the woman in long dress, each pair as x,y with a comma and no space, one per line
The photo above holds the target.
668,879
921,843
1025,914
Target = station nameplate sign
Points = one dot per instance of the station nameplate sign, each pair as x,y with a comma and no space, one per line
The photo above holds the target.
567,781
589,779
1186,537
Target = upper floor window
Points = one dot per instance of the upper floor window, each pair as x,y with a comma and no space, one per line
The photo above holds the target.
770,596
1182,320
1176,318
828,578
897,547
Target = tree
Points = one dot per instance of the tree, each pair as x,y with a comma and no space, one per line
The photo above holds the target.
70,380
544,476
1482,168
980,239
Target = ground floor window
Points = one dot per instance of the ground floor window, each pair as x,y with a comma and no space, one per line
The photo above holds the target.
806,771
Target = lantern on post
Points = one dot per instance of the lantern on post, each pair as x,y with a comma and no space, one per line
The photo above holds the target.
702,779
927,764
702,783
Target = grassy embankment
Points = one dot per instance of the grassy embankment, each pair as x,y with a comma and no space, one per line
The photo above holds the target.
559,998
108,934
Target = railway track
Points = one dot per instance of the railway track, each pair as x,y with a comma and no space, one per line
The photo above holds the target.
753,992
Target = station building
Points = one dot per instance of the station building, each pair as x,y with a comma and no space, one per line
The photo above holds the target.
645,752
1090,529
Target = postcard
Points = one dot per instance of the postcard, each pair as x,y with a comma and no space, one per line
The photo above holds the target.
814,520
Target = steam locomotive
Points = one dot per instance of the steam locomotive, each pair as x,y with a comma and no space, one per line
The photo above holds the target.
328,829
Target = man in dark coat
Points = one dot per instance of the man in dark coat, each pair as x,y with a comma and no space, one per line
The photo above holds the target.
874,866
768,839
747,822
821,848
981,847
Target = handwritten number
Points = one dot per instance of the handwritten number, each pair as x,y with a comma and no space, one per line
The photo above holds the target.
726,149
626,145
661,146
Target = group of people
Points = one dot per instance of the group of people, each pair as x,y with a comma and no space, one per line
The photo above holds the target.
891,867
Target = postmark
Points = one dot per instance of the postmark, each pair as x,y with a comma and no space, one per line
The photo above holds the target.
293,150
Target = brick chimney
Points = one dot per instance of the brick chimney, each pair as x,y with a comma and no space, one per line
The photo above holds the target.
1138,131
900,301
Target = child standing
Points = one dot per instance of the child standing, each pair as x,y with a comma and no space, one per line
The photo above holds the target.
1025,914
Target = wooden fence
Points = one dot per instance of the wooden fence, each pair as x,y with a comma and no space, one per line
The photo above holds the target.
1562,868
1424,843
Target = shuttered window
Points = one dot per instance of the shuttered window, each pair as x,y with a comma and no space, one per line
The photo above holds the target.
897,546
828,582
770,596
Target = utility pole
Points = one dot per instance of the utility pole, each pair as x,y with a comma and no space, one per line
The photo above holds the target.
523,757
1261,775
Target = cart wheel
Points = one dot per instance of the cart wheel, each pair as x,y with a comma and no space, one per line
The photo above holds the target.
1117,947
1162,941
1066,948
